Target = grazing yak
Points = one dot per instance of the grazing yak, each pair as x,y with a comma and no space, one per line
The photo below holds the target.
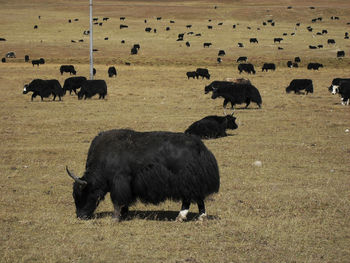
212,126
90,88
203,72
235,93
44,88
242,59
314,66
148,166
336,83
340,54
192,74
247,67
344,91
72,84
38,61
342,87
68,68
268,66
112,72
297,85
207,44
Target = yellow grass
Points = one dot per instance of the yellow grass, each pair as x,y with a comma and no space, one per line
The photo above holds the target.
294,208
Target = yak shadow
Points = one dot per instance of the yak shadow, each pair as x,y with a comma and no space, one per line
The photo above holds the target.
155,215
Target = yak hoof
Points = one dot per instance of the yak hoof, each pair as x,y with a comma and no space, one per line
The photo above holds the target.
202,217
180,218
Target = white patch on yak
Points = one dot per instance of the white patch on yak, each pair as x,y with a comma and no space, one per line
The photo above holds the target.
334,89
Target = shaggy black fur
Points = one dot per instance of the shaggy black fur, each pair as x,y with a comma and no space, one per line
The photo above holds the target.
44,88
212,126
297,85
90,88
235,93
147,166
72,84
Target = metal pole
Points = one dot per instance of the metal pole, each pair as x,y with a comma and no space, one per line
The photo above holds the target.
91,46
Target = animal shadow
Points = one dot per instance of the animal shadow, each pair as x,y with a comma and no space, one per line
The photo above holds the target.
155,215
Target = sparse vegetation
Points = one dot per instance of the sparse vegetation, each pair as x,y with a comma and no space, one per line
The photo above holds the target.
292,207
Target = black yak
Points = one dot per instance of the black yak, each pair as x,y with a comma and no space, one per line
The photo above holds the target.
148,166
247,67
297,85
268,66
203,72
90,88
68,68
191,74
212,126
72,84
342,87
112,71
235,93
44,88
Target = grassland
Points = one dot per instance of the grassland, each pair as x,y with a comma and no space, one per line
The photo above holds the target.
294,208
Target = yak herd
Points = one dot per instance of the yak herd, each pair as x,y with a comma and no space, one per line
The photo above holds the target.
156,166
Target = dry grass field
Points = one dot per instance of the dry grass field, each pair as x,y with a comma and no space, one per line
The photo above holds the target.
294,208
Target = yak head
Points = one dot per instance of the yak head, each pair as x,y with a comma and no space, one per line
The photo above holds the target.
215,93
80,95
208,89
231,122
86,198
288,89
26,89
335,89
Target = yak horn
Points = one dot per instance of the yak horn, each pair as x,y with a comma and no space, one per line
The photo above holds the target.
76,178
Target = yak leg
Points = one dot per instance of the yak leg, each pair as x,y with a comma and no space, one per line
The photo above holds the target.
184,211
120,212
224,105
248,102
54,97
201,210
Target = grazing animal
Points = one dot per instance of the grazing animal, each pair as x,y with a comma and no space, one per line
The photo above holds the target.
247,67
330,41
277,39
44,88
72,84
268,66
289,64
188,44
212,126
219,60
297,85
343,90
221,53
38,62
123,26
90,88
341,54
133,51
336,83
297,59
68,68
147,166
253,40
235,93
242,59
10,54
112,72
203,72
240,45
314,66
3,60
312,47
192,74
148,29
207,44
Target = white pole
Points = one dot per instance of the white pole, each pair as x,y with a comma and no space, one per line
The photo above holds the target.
91,46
